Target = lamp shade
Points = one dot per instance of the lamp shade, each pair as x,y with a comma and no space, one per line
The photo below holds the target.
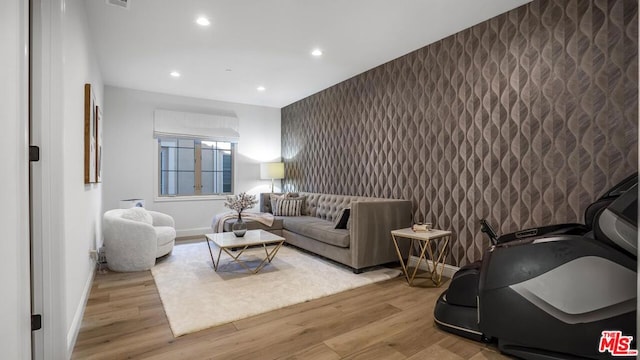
272,171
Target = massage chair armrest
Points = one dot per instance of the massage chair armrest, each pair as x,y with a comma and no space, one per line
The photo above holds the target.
558,229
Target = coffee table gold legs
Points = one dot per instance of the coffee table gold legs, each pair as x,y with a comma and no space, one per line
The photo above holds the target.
424,248
269,255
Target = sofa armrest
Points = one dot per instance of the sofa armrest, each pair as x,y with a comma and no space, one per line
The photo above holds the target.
160,219
370,230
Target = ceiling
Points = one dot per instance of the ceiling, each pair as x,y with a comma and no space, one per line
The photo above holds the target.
252,43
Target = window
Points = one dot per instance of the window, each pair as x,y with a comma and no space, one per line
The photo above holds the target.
195,167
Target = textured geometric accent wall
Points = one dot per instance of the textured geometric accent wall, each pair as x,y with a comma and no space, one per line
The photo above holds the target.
523,119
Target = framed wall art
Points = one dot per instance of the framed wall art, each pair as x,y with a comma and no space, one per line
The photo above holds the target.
98,144
90,133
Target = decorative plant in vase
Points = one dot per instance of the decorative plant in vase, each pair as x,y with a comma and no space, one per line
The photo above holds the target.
239,203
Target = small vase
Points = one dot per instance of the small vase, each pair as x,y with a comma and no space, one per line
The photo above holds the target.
239,228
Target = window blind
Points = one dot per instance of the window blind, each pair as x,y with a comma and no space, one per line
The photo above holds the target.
169,123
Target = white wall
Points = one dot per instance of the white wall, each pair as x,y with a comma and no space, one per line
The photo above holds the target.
82,203
130,151
14,247
67,213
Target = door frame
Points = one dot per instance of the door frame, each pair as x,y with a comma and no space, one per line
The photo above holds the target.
47,179
15,328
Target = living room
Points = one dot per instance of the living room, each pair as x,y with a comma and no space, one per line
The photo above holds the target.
523,118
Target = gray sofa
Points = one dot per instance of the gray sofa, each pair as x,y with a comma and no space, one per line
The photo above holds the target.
367,241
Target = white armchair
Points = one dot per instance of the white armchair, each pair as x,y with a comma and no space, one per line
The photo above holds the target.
134,238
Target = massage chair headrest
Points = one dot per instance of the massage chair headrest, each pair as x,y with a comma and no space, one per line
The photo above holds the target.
617,224
605,200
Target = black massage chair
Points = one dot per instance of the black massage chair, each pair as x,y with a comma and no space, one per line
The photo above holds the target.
551,292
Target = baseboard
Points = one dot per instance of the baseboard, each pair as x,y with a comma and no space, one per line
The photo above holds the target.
448,270
74,329
193,232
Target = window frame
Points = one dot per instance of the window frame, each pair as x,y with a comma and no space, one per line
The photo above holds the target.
196,197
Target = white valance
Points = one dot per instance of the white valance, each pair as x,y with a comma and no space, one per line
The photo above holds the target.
169,123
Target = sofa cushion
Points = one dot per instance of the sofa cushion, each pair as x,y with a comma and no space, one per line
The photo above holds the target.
268,202
165,234
138,214
273,200
318,229
287,207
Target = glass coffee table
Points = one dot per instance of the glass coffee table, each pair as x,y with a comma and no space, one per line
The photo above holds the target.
227,241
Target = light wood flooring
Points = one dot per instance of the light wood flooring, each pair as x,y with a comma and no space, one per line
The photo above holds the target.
124,319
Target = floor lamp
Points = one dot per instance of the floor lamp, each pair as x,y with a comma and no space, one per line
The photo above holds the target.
273,171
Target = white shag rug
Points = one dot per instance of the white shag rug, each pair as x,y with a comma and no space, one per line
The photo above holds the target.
195,297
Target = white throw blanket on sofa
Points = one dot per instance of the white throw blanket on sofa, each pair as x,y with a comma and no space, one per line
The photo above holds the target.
218,221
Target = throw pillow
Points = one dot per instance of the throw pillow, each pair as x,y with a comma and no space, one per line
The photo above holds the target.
138,214
287,207
343,219
303,205
273,200
289,196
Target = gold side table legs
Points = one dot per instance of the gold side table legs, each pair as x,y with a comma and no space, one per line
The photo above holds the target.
435,263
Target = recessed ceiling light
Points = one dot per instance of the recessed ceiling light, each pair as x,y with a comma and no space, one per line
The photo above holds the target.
203,21
316,52
175,74
261,88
